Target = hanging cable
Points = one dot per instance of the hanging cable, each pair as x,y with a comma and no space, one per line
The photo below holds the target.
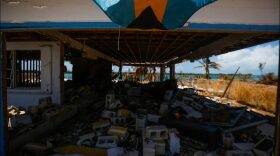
119,36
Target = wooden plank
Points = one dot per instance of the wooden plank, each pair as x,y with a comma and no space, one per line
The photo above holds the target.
158,47
181,46
143,64
138,45
88,51
168,47
149,46
61,77
100,37
130,50
213,48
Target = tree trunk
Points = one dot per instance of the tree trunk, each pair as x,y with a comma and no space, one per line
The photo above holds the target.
207,72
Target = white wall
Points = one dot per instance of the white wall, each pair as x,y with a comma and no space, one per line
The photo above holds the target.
255,12
50,75
259,12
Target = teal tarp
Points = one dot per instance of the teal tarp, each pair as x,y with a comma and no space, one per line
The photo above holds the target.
148,14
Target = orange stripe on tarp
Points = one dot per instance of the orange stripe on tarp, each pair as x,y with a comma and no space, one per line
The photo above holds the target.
158,6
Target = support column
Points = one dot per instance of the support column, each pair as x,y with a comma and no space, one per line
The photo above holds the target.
172,71
120,71
3,97
162,73
277,119
97,73
62,70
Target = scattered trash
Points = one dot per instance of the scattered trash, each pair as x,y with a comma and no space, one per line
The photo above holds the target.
107,142
264,147
151,119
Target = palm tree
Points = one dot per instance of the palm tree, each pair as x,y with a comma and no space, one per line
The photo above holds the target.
207,64
261,66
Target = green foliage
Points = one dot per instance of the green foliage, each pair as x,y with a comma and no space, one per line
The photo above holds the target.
268,79
223,77
207,64
245,77
261,66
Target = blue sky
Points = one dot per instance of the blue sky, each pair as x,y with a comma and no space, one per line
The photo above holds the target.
248,59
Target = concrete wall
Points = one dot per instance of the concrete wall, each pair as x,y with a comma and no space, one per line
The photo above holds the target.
50,75
254,12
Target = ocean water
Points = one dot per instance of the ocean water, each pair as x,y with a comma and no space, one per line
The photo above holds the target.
68,76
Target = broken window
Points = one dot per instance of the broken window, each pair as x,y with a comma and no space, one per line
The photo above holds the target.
23,68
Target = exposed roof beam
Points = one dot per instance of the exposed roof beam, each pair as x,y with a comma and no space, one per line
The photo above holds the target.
214,47
144,64
138,45
180,46
158,47
168,47
130,50
88,51
148,47
117,54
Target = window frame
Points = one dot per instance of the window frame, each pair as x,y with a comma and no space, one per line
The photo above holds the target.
31,70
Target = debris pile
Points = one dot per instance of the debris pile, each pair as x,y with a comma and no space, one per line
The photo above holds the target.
156,119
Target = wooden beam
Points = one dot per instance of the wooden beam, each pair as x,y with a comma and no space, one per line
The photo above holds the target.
158,47
130,50
139,49
149,46
182,45
143,64
110,47
61,77
214,47
88,51
170,45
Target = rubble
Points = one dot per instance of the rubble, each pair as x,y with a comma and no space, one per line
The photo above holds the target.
152,119
117,131
86,139
107,142
174,143
101,125
149,148
156,132
44,102
264,147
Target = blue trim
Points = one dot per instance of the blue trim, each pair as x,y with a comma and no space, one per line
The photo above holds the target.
92,25
56,25
232,27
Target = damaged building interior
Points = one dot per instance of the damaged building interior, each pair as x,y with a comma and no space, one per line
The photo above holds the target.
92,115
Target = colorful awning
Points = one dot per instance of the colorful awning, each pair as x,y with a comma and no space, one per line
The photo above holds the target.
151,14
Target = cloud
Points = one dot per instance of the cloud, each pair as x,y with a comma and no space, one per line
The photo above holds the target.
249,59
